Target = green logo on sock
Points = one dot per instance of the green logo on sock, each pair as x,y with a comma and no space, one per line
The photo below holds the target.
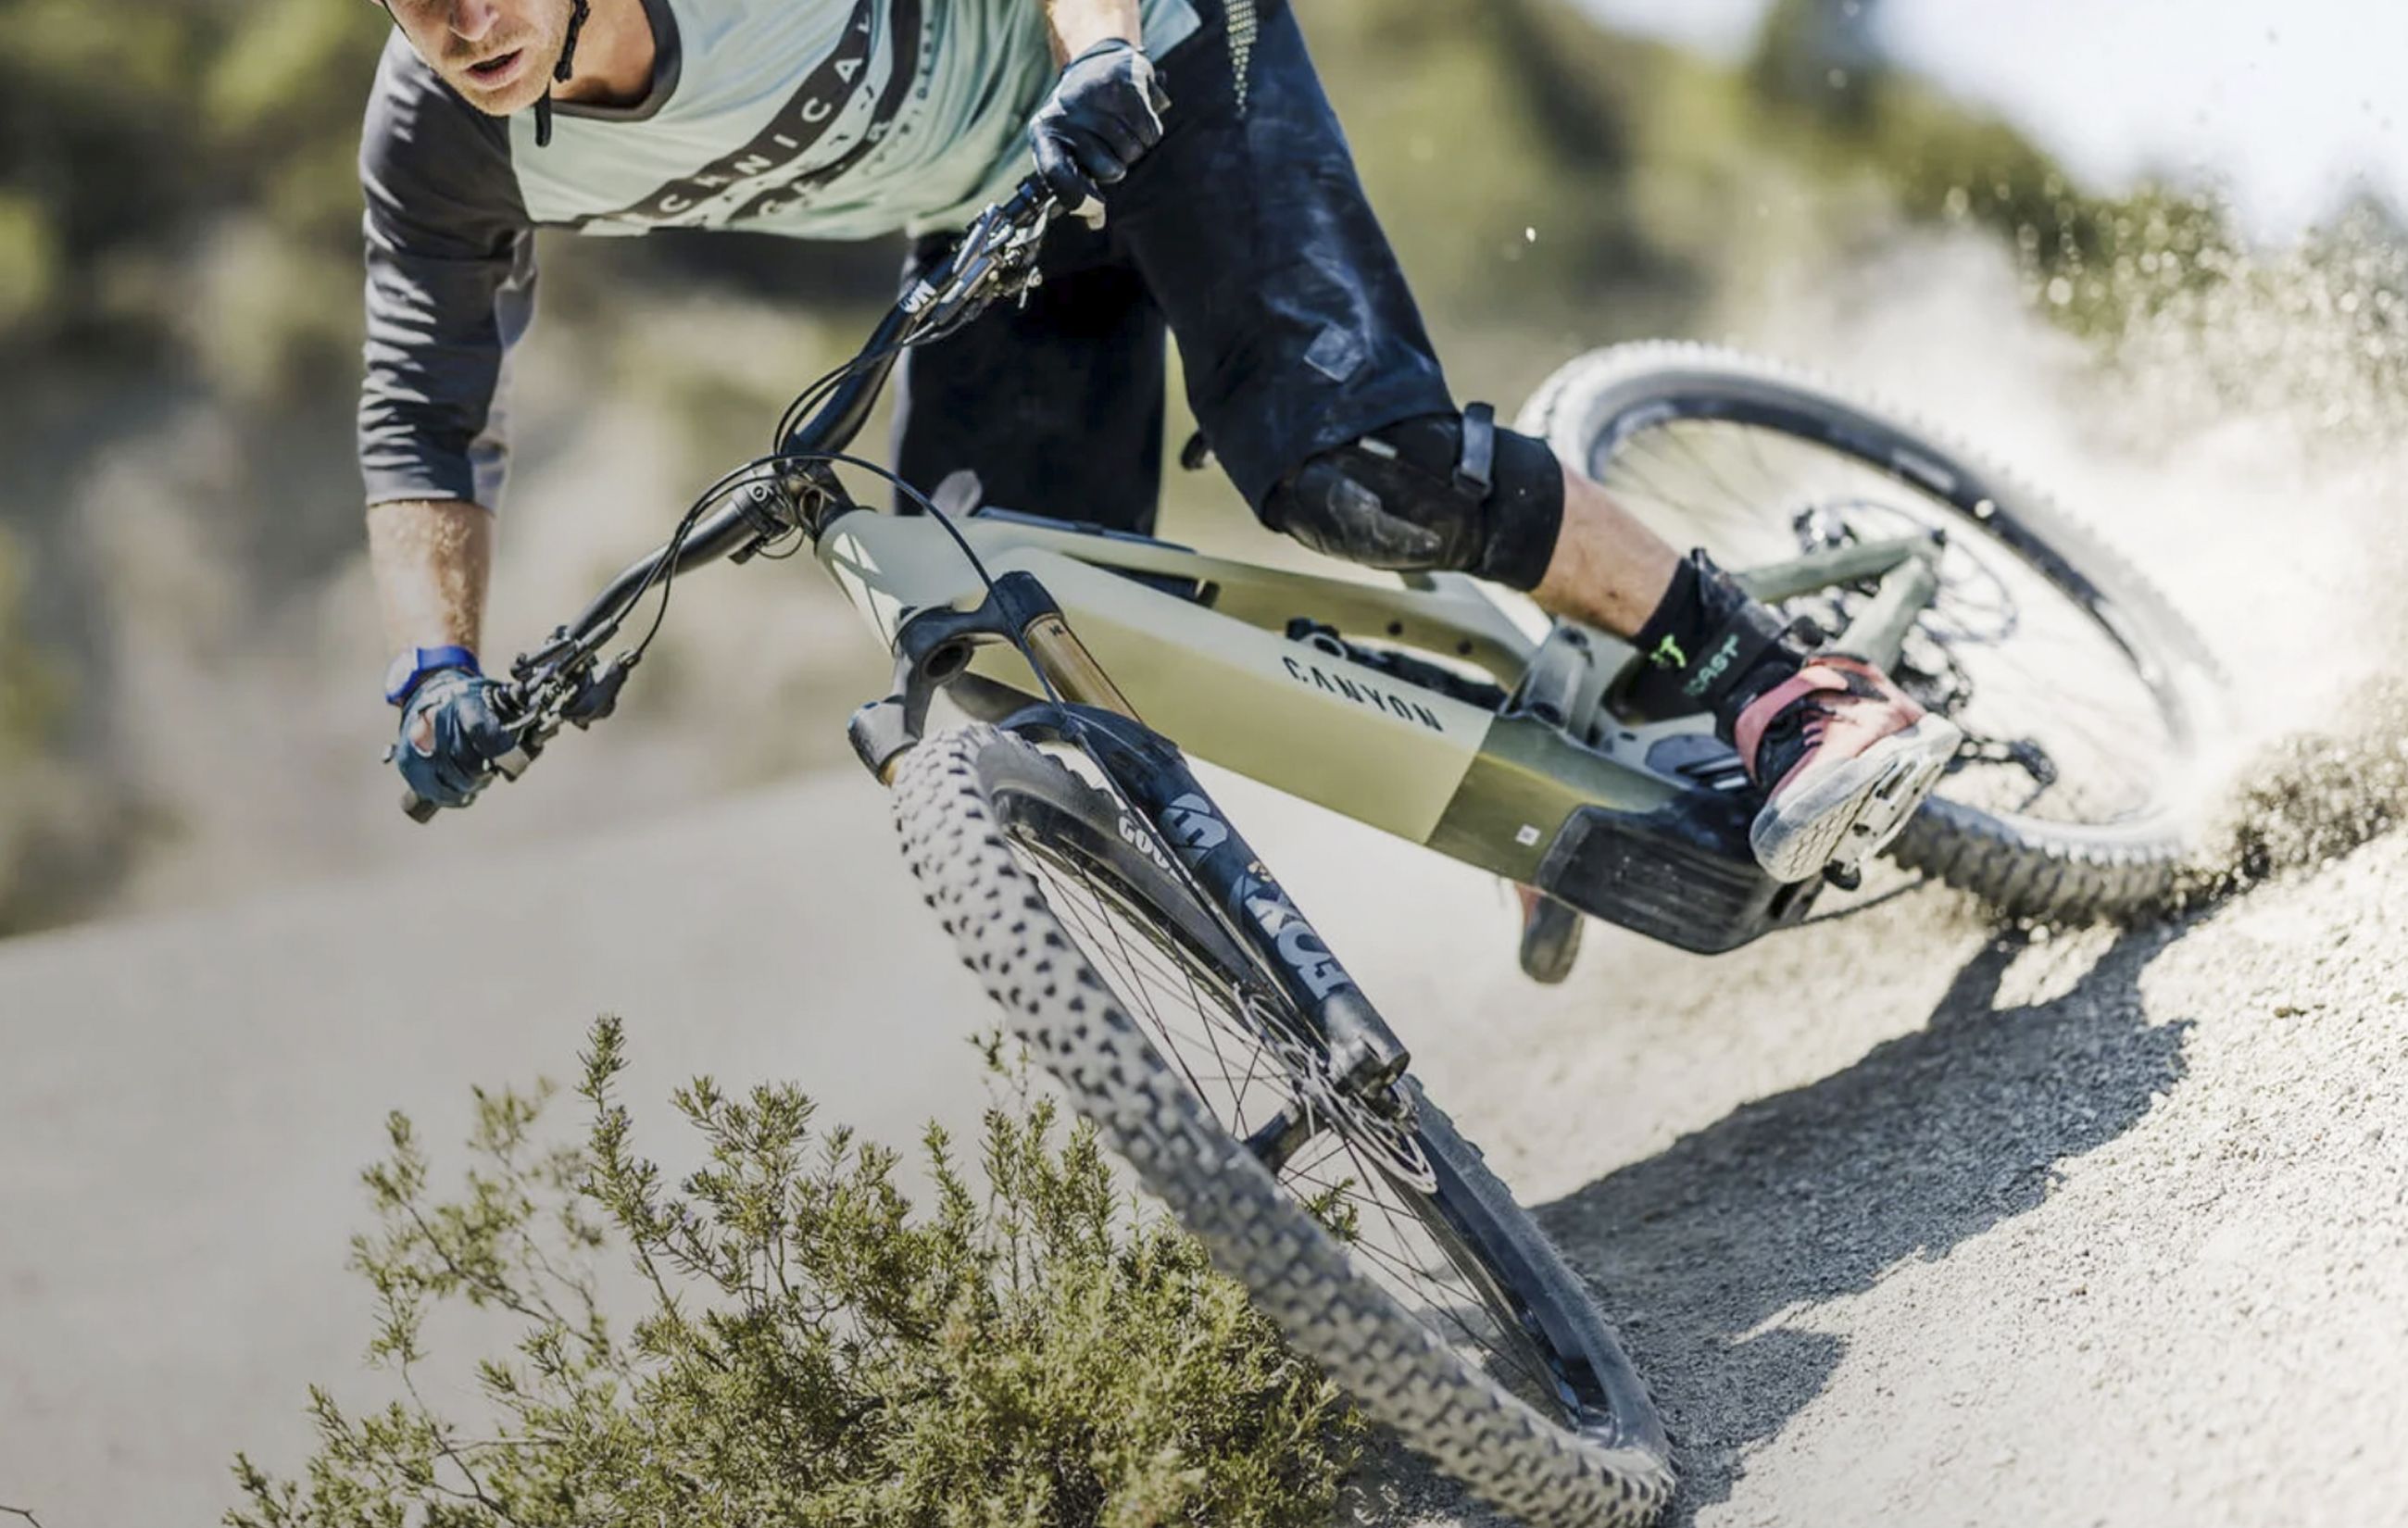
1668,655
1715,668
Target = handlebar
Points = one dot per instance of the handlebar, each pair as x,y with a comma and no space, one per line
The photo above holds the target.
562,682
996,240
943,299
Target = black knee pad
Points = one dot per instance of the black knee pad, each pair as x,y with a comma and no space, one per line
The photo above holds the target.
1438,492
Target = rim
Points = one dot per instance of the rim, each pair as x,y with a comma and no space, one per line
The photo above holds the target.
1241,1050
2068,717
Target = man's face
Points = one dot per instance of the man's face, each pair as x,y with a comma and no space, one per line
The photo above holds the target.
496,53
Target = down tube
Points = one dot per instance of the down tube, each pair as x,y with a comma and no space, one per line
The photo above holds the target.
1344,737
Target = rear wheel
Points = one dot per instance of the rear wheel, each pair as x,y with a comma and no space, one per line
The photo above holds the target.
2084,696
1374,1237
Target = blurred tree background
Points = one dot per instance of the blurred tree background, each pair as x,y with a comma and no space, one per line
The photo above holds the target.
186,646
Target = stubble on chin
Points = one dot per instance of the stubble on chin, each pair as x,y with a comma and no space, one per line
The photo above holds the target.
532,80
520,95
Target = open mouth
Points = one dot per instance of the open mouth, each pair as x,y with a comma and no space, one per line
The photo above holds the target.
495,71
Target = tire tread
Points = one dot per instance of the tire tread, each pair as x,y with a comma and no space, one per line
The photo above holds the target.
1396,1370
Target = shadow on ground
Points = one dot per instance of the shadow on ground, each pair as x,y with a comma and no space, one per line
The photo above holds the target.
1812,1195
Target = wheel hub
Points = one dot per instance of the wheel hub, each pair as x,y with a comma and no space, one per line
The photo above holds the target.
1385,1137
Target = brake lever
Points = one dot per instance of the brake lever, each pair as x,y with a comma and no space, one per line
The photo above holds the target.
993,248
597,695
509,766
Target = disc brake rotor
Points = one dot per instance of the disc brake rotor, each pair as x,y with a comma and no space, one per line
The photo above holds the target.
1386,1142
1973,606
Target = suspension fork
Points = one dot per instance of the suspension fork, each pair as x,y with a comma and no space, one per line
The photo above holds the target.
1365,1054
934,648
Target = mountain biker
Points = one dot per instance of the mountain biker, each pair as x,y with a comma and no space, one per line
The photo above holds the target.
1236,222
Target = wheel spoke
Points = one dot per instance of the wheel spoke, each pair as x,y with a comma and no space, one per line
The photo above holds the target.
1228,1058
2028,661
1447,1304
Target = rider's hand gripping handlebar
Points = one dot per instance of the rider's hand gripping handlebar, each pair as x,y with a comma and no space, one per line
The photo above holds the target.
566,681
510,703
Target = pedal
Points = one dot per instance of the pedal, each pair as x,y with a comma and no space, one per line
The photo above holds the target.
1893,802
1877,821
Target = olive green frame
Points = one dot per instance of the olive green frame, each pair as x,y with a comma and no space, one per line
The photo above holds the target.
1211,669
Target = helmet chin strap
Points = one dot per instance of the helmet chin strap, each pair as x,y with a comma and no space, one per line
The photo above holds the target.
560,71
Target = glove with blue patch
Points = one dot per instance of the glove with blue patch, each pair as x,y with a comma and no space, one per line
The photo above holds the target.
451,736
1104,114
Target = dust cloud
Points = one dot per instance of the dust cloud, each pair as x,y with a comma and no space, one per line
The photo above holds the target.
2238,431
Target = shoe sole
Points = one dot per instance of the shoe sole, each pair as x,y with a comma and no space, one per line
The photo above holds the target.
1854,812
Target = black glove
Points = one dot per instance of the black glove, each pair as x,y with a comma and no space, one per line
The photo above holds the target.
452,714
1104,112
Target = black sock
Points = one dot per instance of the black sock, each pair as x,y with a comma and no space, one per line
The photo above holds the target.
1710,647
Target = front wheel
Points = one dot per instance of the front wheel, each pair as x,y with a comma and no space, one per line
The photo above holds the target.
1378,1241
2084,698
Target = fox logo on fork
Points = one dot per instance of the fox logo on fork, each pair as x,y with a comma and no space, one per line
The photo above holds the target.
1195,829
1303,948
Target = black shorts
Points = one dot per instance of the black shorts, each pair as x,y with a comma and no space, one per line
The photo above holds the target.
1247,232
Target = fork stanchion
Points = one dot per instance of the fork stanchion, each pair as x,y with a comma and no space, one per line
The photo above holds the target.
1074,670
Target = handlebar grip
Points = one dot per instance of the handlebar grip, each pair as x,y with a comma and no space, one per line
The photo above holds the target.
509,766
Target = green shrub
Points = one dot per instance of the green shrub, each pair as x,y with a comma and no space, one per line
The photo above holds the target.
810,1351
